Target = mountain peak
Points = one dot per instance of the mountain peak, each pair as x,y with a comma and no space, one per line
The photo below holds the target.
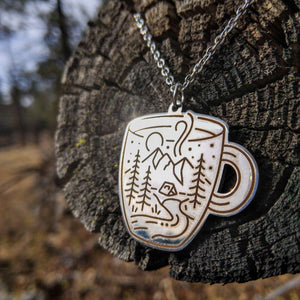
179,168
158,156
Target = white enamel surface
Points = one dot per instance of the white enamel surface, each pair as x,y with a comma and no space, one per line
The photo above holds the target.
170,169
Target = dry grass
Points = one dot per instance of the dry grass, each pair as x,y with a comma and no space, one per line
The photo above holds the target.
46,254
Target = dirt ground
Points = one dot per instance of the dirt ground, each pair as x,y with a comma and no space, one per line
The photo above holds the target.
45,253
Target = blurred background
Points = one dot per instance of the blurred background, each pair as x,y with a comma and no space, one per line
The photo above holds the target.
44,252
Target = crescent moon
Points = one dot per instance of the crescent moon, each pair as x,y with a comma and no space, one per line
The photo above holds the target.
154,133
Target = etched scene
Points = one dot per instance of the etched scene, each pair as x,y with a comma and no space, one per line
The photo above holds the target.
169,166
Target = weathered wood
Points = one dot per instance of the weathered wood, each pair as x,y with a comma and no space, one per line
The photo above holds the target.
251,83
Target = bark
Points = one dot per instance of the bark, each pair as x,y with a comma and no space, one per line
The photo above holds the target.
251,83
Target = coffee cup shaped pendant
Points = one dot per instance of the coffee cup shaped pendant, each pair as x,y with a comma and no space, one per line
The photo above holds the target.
170,171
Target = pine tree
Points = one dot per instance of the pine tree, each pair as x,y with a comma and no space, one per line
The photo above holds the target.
199,181
133,178
145,189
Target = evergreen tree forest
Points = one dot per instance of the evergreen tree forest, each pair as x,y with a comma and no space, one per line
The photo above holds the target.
37,38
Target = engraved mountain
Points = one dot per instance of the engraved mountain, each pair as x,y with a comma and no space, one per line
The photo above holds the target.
164,162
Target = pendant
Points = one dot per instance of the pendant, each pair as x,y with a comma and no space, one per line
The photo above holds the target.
171,167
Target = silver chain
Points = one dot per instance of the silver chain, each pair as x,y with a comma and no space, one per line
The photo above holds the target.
177,88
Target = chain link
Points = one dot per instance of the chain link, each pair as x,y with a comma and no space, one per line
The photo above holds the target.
177,88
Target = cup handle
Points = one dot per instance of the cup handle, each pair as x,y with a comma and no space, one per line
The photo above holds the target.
239,197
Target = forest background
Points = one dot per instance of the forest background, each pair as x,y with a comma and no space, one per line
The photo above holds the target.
44,252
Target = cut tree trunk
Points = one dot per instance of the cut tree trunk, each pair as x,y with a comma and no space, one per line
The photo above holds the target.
251,83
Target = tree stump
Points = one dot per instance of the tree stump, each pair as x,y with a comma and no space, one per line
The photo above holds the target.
251,83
